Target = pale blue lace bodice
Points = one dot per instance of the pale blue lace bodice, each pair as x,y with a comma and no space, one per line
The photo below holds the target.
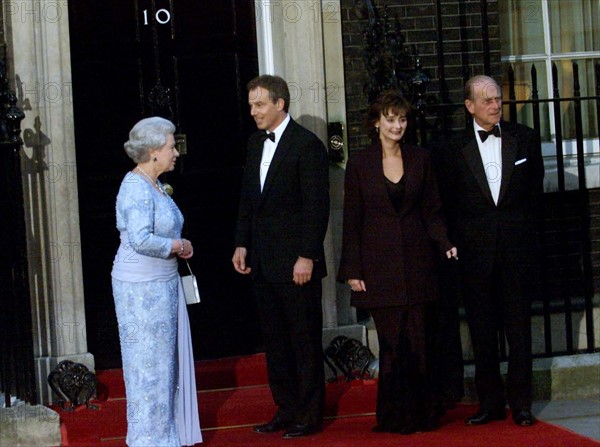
148,221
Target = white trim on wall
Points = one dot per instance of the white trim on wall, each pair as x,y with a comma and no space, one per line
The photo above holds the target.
264,36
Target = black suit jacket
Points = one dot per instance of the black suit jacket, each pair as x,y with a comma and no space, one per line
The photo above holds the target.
483,231
289,217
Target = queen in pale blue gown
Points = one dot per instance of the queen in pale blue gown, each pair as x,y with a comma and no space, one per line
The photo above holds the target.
158,364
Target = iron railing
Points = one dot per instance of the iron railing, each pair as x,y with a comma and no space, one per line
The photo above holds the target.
561,293
567,279
17,374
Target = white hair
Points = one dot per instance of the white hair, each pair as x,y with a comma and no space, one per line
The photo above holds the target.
149,133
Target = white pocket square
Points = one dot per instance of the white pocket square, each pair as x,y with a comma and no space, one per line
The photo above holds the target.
522,160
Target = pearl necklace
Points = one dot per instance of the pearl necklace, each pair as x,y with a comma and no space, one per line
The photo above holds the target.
152,182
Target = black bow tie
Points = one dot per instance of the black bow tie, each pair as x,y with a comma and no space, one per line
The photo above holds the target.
264,135
483,134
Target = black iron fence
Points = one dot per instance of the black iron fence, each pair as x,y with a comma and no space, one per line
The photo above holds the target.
564,306
567,287
17,374
566,205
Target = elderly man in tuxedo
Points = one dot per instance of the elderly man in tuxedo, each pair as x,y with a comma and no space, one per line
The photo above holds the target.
491,177
282,221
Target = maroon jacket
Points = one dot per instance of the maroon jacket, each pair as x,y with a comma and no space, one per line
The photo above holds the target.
395,253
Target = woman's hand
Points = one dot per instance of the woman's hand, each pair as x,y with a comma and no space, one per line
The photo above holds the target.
452,253
357,285
186,251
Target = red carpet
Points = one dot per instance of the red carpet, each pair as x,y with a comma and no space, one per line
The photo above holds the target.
233,397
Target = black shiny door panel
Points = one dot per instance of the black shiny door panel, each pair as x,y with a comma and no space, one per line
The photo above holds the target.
188,61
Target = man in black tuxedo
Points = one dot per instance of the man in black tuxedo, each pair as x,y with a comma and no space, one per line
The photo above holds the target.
492,180
282,221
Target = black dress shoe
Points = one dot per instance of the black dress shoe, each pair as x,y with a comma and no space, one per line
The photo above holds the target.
523,418
300,430
485,416
272,426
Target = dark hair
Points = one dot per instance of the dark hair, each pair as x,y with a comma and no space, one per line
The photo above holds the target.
276,86
388,101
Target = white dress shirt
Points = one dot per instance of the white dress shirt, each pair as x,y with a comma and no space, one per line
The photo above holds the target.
269,148
491,156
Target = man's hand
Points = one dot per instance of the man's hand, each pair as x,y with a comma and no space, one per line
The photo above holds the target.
239,261
303,270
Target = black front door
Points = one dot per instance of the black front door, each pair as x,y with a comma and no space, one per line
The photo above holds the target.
187,61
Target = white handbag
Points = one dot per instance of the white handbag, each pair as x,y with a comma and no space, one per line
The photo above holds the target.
190,287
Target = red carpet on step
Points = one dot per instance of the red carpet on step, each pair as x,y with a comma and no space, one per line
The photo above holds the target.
233,396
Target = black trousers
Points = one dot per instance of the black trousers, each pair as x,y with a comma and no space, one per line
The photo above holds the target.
292,326
447,359
501,300
406,394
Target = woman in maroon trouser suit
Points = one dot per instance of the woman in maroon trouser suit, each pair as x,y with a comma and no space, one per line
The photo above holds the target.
393,238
